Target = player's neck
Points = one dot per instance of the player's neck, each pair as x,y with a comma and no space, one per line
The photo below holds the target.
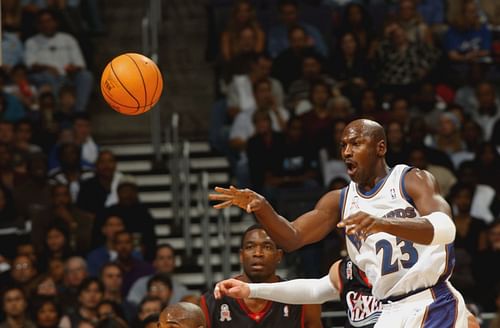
381,171
270,279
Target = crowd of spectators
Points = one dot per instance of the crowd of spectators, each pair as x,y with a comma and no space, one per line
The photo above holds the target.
426,70
77,247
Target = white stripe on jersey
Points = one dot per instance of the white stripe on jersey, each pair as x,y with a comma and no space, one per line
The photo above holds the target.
393,266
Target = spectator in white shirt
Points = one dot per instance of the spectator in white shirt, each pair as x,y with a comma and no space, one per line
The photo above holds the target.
55,59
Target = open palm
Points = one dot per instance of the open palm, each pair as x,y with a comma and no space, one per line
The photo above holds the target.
244,198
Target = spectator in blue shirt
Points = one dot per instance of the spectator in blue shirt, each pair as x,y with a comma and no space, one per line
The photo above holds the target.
278,35
11,108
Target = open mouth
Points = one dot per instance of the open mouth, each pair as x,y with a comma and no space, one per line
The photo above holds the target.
257,266
351,167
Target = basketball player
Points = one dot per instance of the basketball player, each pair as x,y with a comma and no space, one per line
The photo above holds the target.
347,280
399,231
182,315
259,258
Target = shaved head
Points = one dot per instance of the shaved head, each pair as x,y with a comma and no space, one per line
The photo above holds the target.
182,314
368,128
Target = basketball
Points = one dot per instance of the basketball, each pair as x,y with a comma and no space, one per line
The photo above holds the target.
131,84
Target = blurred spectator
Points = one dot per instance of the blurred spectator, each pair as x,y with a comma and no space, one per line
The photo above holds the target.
472,135
262,150
288,64
369,106
357,20
240,94
317,122
415,27
47,313
6,133
401,63
330,161
487,112
242,17
279,35
72,171
76,223
151,321
100,191
23,136
418,137
298,93
495,322
33,196
24,273
75,272
467,40
487,160
448,138
149,306
297,165
46,287
12,47
160,286
106,251
349,66
55,269
110,310
136,217
90,294
164,262
433,13
485,203
444,177
83,137
492,10
112,280
471,231
11,108
486,271
131,267
9,221
22,88
55,58
397,147
47,129
429,105
57,243
15,307
340,108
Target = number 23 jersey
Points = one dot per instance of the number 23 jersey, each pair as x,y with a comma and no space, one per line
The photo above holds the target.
394,266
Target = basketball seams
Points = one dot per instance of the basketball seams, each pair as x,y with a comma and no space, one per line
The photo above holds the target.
142,78
117,107
124,87
110,97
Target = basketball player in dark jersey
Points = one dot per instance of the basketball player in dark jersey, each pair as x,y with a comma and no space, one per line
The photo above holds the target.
259,257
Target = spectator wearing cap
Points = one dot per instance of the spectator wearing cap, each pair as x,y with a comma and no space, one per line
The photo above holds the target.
278,37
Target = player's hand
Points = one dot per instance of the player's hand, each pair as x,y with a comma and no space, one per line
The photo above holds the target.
233,288
361,224
246,199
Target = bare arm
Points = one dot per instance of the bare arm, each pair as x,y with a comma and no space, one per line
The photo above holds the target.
423,189
306,229
312,316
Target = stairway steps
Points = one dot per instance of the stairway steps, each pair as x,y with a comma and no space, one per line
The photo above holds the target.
164,230
132,166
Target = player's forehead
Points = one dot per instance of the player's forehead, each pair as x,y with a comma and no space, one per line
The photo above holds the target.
257,236
352,132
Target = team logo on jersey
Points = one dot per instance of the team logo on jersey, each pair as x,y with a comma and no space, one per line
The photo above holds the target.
393,193
348,270
225,314
362,309
285,311
402,213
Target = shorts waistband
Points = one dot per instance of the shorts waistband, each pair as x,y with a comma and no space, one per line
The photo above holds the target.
396,298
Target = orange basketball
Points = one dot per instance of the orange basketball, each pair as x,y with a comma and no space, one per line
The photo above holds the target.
131,84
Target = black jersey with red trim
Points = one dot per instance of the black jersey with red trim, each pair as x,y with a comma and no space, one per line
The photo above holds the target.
363,310
229,312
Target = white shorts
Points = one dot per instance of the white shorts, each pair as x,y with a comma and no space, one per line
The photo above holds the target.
439,306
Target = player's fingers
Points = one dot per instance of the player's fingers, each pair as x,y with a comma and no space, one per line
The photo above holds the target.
223,190
253,206
219,197
217,293
223,205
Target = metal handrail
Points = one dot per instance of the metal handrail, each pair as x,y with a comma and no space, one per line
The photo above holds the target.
186,200
204,209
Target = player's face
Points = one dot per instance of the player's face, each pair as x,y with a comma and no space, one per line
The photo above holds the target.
259,256
359,153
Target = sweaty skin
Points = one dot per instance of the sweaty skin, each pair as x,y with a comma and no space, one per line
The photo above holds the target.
182,315
363,149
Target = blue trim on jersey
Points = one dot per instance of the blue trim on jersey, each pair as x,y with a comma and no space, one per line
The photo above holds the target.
376,187
403,188
442,313
450,262
341,202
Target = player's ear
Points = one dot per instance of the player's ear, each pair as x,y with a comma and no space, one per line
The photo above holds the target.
381,148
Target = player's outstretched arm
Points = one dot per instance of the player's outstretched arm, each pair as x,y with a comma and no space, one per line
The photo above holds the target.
297,291
435,225
306,229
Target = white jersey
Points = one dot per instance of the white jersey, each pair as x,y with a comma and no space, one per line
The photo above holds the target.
394,266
